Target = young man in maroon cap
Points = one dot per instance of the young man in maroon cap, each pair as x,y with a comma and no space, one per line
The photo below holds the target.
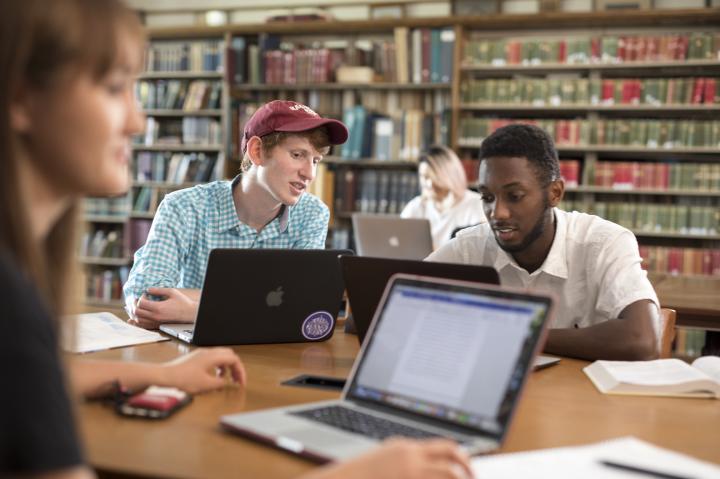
263,207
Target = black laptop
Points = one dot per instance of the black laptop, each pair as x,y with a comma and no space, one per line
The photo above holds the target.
255,296
365,279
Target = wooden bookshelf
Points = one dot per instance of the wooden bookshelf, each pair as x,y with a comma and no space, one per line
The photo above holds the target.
634,192
100,261
572,108
181,113
181,75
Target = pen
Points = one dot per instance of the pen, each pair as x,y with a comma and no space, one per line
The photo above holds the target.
642,470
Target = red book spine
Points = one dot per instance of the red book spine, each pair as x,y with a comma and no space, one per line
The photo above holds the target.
622,52
595,50
675,261
608,88
698,90
426,52
652,47
715,262
641,49
681,47
707,261
562,52
709,93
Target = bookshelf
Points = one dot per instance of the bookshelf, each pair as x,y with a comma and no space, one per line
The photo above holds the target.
244,87
183,95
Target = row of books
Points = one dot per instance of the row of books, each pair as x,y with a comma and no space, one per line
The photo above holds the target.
402,136
422,55
183,131
374,191
691,343
105,284
192,56
558,90
690,219
179,94
138,230
146,199
175,168
593,49
627,175
665,134
118,206
681,261
103,242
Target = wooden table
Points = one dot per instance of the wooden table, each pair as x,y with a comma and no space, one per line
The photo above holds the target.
560,407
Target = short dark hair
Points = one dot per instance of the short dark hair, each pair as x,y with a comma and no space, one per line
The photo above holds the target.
523,140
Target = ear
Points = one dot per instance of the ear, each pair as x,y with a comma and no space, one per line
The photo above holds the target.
254,151
556,192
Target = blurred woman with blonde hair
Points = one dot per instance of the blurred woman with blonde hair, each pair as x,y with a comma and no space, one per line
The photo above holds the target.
444,196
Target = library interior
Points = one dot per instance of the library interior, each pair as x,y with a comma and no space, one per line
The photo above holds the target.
466,171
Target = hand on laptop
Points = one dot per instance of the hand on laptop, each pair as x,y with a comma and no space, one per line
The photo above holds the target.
204,370
403,459
177,306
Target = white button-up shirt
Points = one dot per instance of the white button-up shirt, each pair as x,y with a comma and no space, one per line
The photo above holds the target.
593,267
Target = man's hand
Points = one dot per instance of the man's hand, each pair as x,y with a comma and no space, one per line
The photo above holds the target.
177,307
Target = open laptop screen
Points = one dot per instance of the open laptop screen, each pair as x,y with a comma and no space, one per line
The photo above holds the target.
452,351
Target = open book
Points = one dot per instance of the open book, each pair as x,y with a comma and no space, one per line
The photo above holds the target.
661,377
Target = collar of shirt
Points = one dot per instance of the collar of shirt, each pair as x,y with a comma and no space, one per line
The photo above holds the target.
228,217
556,262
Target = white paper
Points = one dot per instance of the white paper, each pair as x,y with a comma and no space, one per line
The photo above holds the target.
85,333
584,462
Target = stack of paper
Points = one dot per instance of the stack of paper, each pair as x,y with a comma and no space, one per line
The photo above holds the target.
85,333
590,462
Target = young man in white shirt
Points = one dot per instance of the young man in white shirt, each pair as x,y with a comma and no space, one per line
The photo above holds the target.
607,308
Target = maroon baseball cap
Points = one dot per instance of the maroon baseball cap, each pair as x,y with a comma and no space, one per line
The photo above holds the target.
290,116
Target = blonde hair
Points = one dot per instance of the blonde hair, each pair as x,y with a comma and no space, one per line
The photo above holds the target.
41,43
318,138
446,169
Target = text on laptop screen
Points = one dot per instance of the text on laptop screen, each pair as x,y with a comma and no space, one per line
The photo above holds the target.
450,353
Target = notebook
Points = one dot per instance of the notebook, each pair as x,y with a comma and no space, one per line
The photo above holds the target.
365,279
442,358
253,296
388,236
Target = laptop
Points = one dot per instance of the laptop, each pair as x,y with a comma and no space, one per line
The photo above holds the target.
255,296
442,358
388,236
365,279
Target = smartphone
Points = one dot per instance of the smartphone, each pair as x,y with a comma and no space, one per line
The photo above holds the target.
311,381
154,403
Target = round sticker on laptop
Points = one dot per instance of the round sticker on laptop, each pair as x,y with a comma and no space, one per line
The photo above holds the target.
318,325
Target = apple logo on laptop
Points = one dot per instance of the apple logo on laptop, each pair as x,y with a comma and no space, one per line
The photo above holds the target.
274,298
394,241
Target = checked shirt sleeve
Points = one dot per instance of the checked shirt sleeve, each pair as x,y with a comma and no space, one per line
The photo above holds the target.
312,223
159,262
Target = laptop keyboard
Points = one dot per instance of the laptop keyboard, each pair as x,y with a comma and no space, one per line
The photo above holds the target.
361,423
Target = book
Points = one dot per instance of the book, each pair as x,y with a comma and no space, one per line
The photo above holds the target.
661,377
603,459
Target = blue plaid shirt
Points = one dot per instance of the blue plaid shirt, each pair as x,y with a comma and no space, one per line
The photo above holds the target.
190,223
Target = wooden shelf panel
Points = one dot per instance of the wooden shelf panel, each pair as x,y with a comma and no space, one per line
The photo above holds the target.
341,87
142,215
545,21
369,163
179,75
514,107
668,234
105,218
182,113
164,184
178,148
90,260
700,65
659,192
618,149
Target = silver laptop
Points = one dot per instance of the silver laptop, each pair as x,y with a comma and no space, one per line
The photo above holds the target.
387,236
442,358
